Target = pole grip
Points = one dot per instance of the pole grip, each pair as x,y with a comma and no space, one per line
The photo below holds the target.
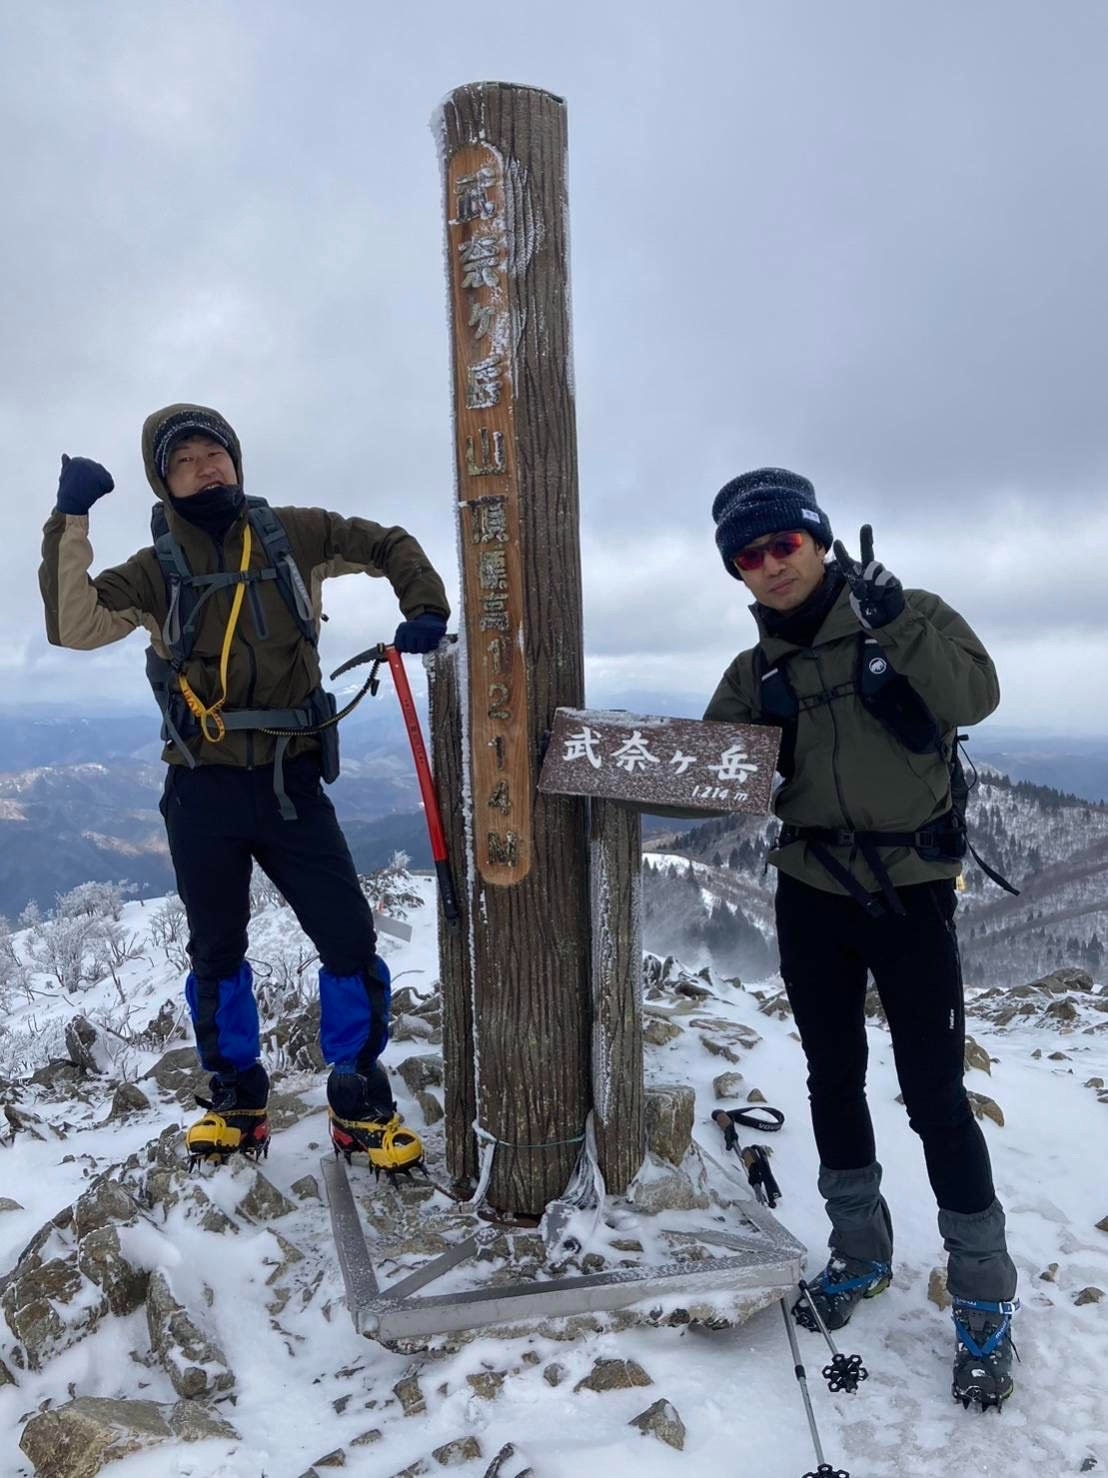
446,892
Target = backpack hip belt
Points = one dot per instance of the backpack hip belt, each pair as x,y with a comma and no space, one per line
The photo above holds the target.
935,843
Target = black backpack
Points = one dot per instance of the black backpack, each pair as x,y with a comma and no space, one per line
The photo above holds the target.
187,594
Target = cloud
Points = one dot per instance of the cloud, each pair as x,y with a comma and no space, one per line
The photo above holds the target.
865,242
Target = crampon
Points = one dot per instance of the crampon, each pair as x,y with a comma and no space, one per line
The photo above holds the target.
983,1355
390,1146
217,1136
844,1282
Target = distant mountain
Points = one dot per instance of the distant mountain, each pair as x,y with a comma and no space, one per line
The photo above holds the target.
87,809
100,823
1078,765
30,740
1052,846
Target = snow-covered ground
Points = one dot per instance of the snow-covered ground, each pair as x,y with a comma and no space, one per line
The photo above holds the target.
308,1384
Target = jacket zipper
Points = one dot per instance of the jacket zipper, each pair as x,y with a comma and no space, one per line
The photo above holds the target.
830,706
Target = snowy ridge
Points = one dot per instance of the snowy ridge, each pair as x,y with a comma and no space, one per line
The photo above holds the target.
307,1384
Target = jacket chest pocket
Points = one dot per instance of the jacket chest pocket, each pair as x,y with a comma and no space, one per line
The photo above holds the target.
257,610
931,771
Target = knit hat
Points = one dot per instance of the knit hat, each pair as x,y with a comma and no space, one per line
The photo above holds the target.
192,421
768,501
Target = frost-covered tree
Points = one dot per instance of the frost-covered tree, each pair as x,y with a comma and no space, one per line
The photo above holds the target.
61,948
14,976
94,901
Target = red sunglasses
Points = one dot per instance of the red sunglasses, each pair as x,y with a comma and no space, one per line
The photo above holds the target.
780,546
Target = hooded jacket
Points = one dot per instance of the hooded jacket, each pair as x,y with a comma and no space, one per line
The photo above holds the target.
271,664
850,772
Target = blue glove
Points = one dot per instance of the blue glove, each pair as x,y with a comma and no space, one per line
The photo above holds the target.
421,635
82,481
876,595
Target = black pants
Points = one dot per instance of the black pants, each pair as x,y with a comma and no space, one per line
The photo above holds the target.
220,820
828,944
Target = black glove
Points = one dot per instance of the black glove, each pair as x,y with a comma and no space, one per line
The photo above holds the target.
82,481
421,635
876,595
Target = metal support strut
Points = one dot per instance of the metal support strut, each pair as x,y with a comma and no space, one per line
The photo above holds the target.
762,1256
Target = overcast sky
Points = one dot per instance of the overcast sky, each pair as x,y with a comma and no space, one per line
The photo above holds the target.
861,240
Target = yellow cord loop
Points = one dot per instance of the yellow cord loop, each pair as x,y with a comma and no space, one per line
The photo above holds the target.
212,726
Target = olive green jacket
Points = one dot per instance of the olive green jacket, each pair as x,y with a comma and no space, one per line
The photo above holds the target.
851,773
271,664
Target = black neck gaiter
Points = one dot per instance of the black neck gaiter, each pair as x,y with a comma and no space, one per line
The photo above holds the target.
214,510
802,625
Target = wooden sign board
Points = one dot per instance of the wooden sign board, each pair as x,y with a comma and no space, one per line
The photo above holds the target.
643,761
481,262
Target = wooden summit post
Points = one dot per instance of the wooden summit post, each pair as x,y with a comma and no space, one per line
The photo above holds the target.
515,972
625,764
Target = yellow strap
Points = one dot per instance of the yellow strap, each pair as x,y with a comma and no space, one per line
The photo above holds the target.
211,725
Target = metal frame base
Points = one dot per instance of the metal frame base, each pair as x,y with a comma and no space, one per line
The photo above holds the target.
763,1256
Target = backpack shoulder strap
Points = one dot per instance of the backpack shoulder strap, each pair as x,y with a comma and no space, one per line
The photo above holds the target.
777,698
894,702
275,541
171,556
779,707
178,631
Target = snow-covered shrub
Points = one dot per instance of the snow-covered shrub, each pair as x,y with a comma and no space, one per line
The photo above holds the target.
14,975
264,893
29,1044
282,981
389,889
111,947
169,931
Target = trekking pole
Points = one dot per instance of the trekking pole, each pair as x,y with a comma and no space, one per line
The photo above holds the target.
824,1469
845,1372
753,1158
382,653
426,785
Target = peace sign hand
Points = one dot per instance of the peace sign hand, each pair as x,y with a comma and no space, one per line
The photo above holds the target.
876,595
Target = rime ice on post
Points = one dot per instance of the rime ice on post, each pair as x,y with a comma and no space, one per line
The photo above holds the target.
518,981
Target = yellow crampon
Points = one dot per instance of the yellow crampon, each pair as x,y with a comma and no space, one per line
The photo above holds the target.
214,1138
391,1147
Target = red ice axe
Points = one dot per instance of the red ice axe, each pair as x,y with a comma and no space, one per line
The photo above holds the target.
377,655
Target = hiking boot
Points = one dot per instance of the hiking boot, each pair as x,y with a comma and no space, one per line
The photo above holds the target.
844,1282
983,1352
236,1121
363,1119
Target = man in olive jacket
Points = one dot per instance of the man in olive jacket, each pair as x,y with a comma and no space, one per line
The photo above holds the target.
870,683
244,657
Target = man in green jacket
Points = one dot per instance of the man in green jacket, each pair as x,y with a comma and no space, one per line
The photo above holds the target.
229,593
869,683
